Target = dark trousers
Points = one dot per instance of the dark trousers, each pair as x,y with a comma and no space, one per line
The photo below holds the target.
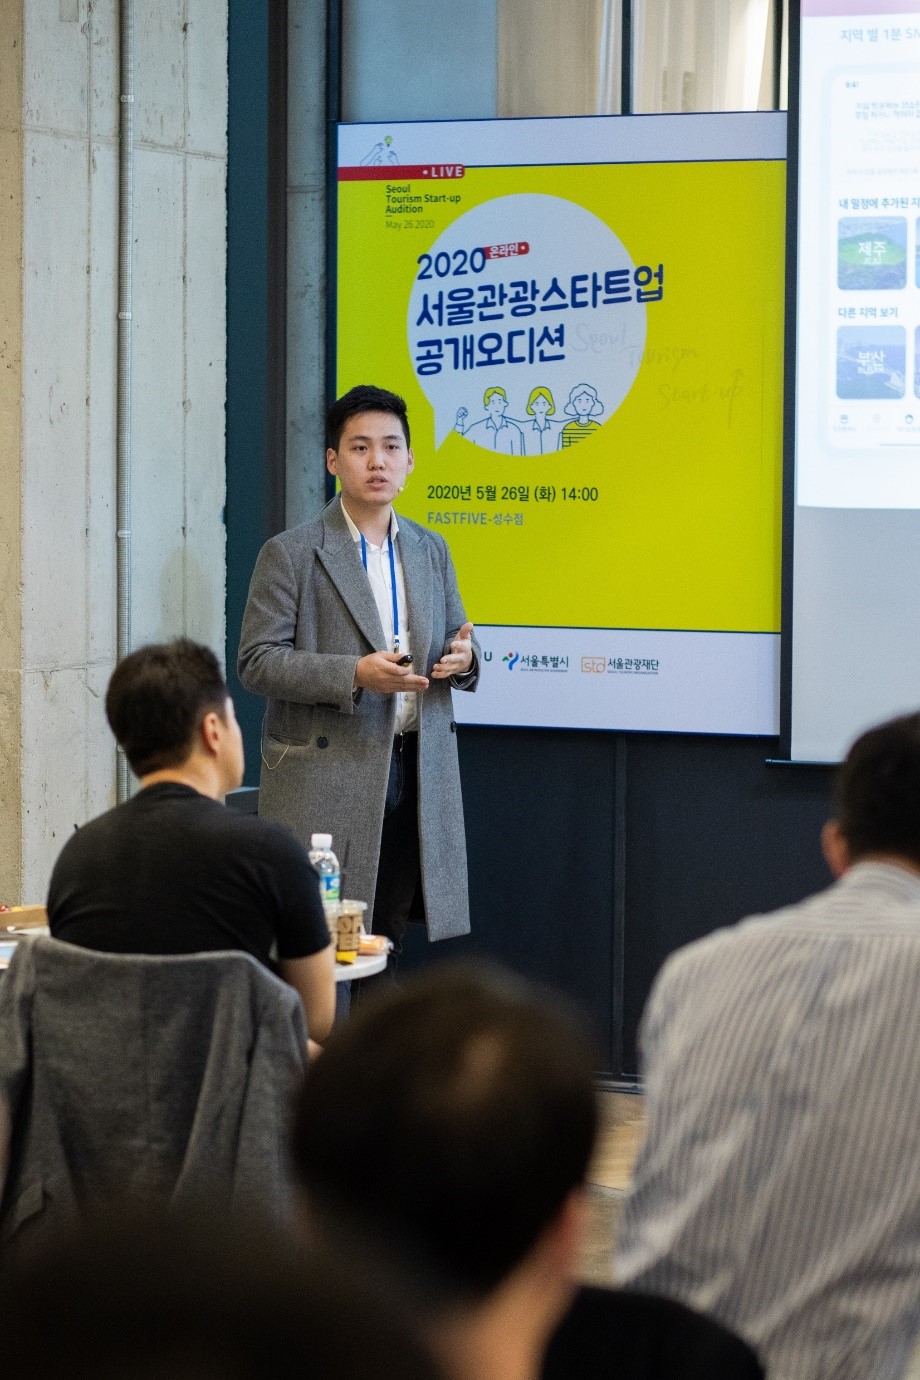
398,896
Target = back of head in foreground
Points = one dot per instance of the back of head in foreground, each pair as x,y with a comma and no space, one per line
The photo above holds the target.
451,1122
141,1293
878,797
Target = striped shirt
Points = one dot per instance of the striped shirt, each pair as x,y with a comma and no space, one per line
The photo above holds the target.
778,1187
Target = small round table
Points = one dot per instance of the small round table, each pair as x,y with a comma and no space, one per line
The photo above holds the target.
365,965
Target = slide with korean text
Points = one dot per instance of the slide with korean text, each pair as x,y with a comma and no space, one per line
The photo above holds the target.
585,317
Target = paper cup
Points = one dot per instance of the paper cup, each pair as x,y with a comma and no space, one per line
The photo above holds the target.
348,924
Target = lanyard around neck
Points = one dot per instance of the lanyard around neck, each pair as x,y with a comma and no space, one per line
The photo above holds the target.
392,583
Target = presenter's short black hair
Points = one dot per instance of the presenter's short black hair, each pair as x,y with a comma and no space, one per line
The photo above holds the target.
158,696
364,398
449,1121
878,790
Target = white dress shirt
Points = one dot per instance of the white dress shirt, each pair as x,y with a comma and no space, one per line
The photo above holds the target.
378,573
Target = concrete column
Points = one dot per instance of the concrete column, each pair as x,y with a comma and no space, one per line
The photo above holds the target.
11,194
58,277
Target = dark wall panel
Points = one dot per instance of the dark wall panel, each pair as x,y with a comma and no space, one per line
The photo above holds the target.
538,822
256,210
248,514
713,834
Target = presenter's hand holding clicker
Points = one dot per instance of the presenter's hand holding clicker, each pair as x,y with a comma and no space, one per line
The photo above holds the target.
382,672
459,659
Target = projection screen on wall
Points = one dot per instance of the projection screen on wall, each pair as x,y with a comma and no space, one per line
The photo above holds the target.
586,316
852,613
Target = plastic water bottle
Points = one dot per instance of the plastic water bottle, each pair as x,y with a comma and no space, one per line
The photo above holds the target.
327,865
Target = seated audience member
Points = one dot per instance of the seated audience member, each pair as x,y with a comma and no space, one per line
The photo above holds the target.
187,1298
172,871
779,1183
450,1126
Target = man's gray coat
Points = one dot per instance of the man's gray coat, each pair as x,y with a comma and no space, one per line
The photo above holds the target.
326,751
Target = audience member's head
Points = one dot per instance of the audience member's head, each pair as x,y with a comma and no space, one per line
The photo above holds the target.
167,703
364,398
185,1298
453,1122
878,797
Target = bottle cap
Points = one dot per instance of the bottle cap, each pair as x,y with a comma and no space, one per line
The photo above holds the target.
320,840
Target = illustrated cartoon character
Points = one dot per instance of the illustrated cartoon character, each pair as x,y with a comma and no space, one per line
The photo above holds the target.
583,405
494,431
541,432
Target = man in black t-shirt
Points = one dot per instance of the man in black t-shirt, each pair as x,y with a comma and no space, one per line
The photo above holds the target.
172,871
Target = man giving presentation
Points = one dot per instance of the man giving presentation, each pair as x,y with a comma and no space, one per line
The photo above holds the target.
355,633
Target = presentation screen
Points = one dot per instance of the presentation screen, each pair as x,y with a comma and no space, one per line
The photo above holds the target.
585,317
855,617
